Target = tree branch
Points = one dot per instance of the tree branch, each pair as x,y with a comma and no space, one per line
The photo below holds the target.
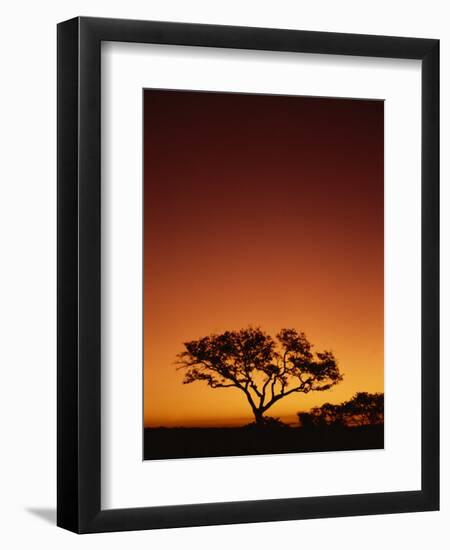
261,403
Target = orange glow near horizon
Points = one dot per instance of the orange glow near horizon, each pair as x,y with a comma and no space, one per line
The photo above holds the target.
264,211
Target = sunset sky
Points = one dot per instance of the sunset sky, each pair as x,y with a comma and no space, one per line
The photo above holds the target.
263,211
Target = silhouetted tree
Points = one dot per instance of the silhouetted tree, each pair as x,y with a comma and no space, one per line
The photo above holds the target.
307,420
263,369
365,408
326,415
362,410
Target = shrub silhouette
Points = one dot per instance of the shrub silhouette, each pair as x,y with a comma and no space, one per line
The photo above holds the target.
362,410
264,369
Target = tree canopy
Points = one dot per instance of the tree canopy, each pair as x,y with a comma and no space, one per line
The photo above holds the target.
263,368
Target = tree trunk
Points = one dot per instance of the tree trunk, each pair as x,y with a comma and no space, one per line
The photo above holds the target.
259,417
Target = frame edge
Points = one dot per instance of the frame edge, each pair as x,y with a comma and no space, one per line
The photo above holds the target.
67,276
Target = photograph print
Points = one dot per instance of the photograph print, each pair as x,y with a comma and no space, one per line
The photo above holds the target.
263,268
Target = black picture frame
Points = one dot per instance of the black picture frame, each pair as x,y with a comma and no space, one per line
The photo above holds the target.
79,280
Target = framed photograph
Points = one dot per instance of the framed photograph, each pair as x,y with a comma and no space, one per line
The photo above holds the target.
248,288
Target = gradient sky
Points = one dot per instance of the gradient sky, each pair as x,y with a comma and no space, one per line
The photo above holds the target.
264,211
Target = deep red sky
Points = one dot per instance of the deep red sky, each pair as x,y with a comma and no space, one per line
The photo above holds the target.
260,210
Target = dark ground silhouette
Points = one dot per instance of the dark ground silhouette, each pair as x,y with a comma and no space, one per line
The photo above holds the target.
162,443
